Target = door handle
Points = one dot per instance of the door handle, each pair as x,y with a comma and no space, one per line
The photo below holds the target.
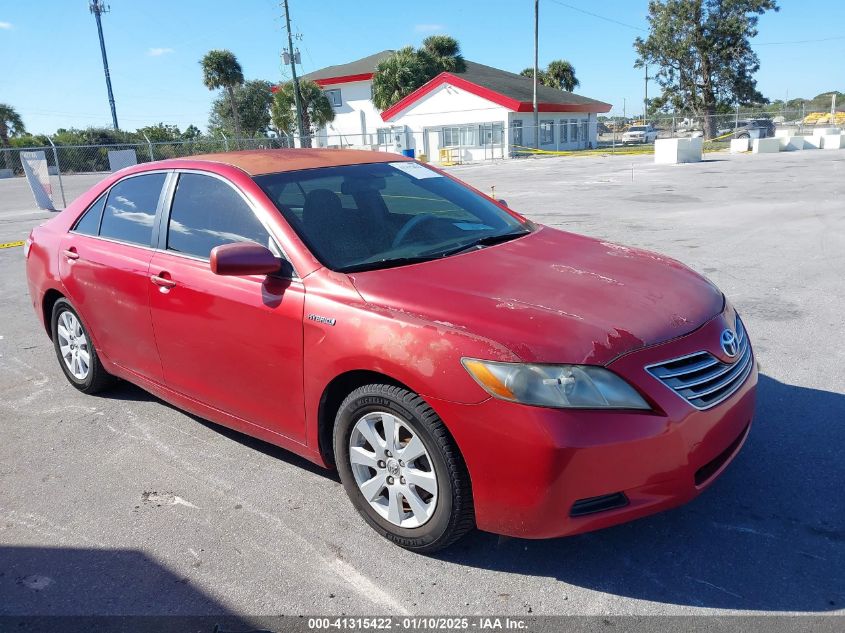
70,253
162,282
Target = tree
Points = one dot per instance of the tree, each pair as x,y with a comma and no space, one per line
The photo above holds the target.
11,125
252,105
220,69
703,53
317,110
559,74
191,132
161,133
408,68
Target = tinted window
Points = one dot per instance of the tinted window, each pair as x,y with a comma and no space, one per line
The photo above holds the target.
206,212
365,216
89,223
131,208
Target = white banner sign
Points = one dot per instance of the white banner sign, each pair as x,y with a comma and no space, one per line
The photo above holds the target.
120,158
35,168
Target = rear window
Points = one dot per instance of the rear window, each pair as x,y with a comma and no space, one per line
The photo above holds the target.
131,208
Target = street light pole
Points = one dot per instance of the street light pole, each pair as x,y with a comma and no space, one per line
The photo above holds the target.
97,8
536,72
296,97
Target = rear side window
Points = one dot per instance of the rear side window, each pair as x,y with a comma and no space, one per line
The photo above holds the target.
206,212
131,208
89,223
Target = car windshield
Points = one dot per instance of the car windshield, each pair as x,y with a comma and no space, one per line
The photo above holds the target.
362,217
637,128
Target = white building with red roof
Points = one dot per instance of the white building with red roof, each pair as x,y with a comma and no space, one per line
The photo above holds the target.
478,114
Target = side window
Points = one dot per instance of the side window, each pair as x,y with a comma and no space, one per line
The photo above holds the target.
206,212
89,223
131,209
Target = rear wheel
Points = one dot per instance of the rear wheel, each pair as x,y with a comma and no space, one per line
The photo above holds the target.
401,468
75,350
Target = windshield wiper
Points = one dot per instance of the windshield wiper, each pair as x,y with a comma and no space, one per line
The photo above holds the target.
387,263
487,240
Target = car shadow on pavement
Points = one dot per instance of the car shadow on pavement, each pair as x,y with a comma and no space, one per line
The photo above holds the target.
769,534
61,588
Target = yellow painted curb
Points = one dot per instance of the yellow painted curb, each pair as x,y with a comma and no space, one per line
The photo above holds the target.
11,244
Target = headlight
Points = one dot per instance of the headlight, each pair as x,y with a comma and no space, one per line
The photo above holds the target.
559,386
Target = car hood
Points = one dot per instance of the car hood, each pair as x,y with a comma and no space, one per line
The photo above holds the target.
552,296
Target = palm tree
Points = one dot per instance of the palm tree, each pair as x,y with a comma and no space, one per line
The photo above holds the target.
220,69
317,110
559,74
562,75
445,52
11,124
409,68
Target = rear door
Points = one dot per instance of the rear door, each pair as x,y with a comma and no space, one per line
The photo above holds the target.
104,264
232,342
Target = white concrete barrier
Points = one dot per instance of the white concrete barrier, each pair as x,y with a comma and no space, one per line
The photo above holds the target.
825,131
766,146
812,142
783,132
671,151
791,143
833,141
739,145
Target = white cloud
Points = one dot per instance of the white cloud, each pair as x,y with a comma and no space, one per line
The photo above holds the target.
5,25
158,52
429,28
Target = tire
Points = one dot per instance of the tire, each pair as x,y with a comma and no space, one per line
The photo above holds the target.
94,378
449,509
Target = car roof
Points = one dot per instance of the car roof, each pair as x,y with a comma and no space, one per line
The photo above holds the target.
271,161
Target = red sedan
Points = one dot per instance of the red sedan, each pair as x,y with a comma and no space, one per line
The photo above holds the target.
458,364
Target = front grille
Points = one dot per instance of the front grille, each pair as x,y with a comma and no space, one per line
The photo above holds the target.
702,379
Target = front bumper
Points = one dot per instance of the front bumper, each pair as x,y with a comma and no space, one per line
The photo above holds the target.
530,465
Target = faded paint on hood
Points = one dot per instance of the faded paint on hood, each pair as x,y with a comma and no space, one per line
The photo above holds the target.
552,296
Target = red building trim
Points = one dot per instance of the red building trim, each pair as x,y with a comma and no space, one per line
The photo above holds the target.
330,81
490,95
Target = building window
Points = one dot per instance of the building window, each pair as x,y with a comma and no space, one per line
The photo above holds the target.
383,135
564,131
463,135
516,132
491,133
547,132
585,131
334,97
573,128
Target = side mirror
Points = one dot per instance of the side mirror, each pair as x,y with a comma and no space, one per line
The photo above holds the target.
243,258
502,202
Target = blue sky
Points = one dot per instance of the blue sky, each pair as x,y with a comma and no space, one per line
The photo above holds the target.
52,72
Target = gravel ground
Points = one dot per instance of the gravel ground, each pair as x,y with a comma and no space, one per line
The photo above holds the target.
121,504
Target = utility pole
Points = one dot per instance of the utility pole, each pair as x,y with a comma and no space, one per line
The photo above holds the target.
296,97
536,72
645,101
98,8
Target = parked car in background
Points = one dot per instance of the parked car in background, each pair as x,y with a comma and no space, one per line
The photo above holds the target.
639,134
457,363
750,128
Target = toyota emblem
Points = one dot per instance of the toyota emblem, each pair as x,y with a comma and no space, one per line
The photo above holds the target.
730,344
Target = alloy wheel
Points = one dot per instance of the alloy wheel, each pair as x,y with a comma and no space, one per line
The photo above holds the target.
73,345
393,469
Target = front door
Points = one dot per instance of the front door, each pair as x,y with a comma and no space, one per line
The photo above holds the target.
231,342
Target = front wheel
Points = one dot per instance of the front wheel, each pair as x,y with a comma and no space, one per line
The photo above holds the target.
401,468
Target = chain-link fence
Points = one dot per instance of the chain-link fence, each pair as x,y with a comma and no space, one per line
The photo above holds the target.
557,134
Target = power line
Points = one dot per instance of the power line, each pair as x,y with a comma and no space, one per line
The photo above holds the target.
600,17
821,39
